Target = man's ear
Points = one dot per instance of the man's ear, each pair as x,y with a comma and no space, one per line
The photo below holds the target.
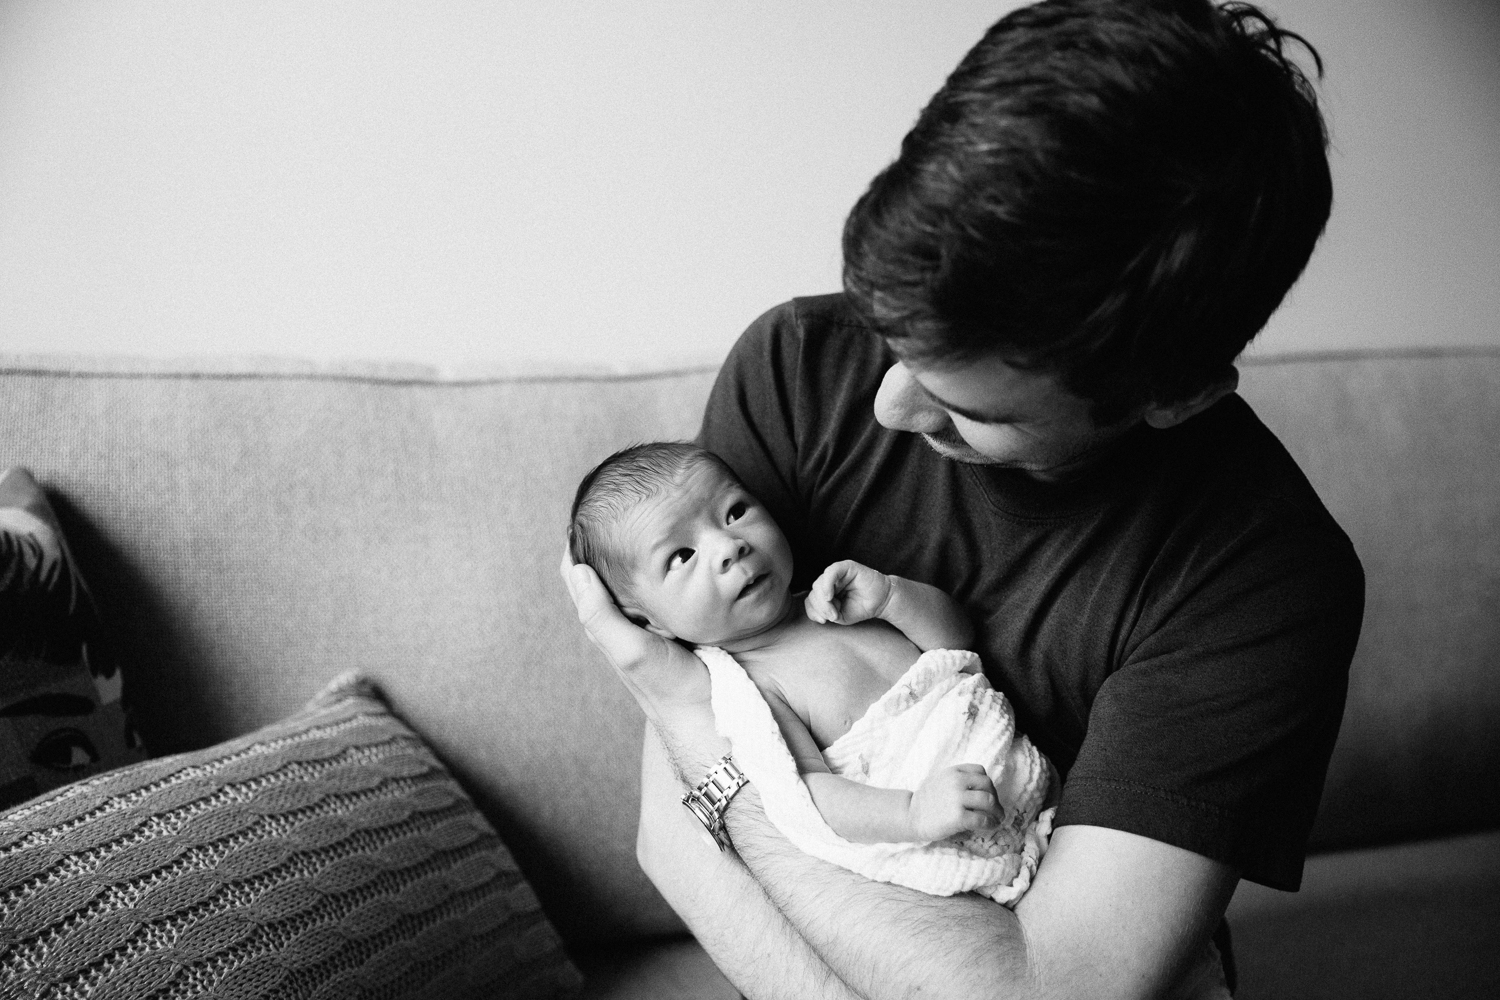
1164,415
638,618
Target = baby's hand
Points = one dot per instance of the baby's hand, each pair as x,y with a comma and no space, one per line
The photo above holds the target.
953,800
848,592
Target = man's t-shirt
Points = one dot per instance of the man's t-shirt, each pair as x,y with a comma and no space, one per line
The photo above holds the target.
1174,627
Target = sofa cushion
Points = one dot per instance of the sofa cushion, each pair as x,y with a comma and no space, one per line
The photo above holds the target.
320,857
251,531
62,714
673,968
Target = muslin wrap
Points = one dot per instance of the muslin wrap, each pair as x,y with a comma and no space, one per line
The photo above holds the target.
942,711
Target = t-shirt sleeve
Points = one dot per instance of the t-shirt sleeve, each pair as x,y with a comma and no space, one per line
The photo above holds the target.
1215,733
750,421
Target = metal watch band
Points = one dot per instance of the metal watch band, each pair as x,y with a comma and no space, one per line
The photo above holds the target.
709,799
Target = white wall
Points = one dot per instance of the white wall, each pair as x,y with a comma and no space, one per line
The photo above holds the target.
462,182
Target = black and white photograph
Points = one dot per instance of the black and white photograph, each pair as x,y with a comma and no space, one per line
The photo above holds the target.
686,500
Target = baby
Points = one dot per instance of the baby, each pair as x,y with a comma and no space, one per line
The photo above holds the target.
691,556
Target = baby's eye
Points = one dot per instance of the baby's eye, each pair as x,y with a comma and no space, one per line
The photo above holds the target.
736,511
678,558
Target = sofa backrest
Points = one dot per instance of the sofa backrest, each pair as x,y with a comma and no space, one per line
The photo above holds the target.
1404,449
252,532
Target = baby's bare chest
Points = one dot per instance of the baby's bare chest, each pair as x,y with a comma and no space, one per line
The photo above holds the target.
830,674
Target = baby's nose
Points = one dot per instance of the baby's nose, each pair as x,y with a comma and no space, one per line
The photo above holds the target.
734,550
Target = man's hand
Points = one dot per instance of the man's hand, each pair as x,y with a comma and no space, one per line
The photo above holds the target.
669,683
953,800
848,592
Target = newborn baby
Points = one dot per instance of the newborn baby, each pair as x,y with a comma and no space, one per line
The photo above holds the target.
688,554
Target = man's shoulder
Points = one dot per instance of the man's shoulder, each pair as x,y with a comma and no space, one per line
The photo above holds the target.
1248,485
1245,458
806,320
815,353
827,313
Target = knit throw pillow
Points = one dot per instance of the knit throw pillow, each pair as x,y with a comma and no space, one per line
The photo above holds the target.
327,856
61,716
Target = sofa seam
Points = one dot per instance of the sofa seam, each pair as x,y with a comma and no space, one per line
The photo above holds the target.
1370,354
397,381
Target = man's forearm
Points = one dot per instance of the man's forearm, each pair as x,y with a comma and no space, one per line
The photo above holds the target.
726,909
1109,914
883,940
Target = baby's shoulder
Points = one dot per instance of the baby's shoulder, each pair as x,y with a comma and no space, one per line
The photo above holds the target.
774,672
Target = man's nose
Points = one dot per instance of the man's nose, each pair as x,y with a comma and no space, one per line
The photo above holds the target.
902,405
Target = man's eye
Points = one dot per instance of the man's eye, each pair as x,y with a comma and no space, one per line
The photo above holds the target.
679,557
736,511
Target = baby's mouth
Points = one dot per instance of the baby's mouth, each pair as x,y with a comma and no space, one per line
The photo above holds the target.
755,581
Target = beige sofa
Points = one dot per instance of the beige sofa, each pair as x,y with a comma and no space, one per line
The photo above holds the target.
253,529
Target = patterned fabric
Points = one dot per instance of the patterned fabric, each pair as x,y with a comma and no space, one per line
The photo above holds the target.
942,711
329,856
61,716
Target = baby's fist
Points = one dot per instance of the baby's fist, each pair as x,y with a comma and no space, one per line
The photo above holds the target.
848,592
953,800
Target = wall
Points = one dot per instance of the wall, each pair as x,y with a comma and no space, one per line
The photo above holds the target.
462,183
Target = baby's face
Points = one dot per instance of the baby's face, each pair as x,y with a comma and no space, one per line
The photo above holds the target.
710,565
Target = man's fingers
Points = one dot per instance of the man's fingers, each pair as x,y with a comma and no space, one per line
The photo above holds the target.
662,675
622,642
669,683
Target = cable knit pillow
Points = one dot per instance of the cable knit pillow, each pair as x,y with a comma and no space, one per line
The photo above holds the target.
327,856
61,715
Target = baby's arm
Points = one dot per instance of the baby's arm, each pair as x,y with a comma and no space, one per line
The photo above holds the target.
951,800
848,592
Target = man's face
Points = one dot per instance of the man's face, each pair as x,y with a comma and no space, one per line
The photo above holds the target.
710,564
988,412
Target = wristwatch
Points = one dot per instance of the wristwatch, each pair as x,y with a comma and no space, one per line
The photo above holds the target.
710,798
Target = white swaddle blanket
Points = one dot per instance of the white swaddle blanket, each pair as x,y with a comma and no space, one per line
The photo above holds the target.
941,712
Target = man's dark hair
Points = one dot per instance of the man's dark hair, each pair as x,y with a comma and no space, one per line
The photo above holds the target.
1119,192
616,486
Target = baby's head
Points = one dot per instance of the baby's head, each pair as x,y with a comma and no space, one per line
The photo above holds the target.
685,551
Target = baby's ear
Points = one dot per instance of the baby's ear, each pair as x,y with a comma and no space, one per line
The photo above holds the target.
638,618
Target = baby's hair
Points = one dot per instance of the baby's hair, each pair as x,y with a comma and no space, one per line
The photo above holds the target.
616,486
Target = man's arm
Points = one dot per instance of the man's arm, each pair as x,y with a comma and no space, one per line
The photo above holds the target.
747,937
1110,914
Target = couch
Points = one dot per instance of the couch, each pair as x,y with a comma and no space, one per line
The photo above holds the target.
251,528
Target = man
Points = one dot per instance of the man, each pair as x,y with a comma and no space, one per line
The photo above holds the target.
1025,397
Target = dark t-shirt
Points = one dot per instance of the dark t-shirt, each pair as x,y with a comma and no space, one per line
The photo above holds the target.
1174,628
